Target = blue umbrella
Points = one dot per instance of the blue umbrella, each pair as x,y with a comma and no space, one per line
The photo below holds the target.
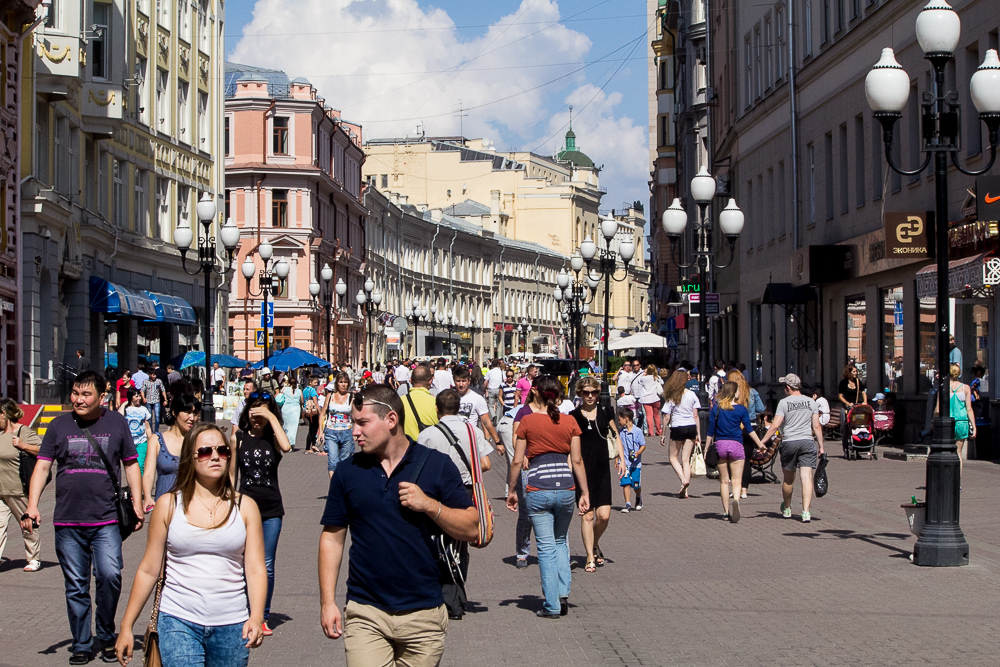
291,358
197,358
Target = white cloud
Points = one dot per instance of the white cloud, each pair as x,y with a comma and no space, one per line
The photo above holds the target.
392,64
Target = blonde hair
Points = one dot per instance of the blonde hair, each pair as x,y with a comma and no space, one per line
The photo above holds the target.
588,382
651,369
741,384
727,395
955,371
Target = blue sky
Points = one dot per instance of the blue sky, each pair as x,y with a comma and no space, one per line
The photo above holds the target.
515,65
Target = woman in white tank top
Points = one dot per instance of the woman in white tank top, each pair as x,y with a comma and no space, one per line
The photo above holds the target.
211,543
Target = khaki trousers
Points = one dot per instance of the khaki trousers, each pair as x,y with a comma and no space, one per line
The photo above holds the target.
15,506
374,638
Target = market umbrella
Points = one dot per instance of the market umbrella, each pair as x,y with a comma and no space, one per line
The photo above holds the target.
197,358
291,358
639,341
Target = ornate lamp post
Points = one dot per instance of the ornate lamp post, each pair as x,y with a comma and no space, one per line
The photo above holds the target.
731,222
607,266
574,296
369,300
472,330
941,542
327,275
269,282
230,237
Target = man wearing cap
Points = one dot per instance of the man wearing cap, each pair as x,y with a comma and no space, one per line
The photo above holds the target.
798,418
268,383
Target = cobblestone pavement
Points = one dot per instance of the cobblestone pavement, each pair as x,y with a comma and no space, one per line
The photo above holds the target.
682,587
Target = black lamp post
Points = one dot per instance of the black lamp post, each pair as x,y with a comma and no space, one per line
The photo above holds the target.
230,237
575,296
341,288
606,268
941,542
731,222
269,282
369,299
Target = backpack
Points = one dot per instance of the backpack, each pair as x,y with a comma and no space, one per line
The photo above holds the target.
479,497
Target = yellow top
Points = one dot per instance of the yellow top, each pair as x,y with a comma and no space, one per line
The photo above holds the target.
426,410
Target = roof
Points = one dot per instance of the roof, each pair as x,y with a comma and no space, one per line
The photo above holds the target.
278,84
572,155
469,228
467,209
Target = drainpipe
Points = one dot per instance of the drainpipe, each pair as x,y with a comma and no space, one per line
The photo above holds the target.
502,294
437,230
538,319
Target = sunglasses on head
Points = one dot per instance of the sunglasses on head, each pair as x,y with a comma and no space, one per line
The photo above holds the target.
261,394
360,402
205,453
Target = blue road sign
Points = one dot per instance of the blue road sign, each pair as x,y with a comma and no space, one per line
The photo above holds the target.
267,315
671,324
672,340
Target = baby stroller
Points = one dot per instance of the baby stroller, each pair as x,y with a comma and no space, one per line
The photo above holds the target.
861,422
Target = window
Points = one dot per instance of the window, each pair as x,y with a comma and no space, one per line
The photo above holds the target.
183,20
163,13
811,161
769,193
663,133
228,213
141,203
844,173
88,170
100,63
225,139
385,181
183,205
665,73
749,76
780,202
840,15
857,333
826,21
768,52
779,32
282,338
183,113
892,340
141,88
855,9
102,181
279,208
118,193
52,21
60,159
161,219
204,37
41,152
279,137
807,28
758,65
162,101
828,172
859,160
877,169
203,121
927,341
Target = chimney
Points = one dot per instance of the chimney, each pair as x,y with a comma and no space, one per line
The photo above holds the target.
437,215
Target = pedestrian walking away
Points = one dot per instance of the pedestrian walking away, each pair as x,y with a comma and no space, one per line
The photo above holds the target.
748,397
649,388
160,470
390,495
961,411
259,445
494,381
544,439
337,437
801,435
453,436
18,455
207,544
728,420
682,425
85,518
419,407
596,424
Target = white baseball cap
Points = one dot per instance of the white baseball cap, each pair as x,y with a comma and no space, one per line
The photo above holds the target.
265,371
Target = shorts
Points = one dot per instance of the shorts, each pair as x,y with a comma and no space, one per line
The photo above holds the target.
730,449
632,478
682,433
798,454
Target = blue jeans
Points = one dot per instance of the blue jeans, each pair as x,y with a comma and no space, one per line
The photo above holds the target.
551,513
339,446
186,644
80,549
272,531
155,409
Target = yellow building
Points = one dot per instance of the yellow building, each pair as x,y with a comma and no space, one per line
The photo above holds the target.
124,102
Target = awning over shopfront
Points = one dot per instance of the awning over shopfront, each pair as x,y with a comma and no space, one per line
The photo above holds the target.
963,274
788,294
172,309
106,297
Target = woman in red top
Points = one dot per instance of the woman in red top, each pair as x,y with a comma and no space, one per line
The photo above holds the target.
123,385
545,439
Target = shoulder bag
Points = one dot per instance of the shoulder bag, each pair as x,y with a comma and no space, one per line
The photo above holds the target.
479,497
26,466
124,510
610,437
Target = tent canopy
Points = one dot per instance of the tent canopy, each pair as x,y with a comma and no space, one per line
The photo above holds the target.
291,358
637,341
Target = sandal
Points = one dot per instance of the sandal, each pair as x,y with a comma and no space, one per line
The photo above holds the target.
591,567
684,491
599,558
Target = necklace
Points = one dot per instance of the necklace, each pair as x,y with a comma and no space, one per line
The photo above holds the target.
211,510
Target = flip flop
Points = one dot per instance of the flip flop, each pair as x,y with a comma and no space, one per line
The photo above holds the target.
591,567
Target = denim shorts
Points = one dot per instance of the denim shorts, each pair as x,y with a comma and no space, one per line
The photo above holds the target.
187,644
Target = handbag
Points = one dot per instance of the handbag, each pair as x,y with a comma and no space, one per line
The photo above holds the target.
26,466
698,468
151,640
820,481
127,518
479,497
712,456
611,438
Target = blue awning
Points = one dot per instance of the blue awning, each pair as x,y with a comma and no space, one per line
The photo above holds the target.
171,309
107,297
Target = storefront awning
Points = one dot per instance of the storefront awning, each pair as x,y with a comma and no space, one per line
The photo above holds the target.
172,309
107,297
963,274
788,294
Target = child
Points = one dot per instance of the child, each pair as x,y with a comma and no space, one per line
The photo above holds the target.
633,444
625,400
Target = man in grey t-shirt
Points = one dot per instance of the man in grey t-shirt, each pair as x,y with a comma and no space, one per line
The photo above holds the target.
798,418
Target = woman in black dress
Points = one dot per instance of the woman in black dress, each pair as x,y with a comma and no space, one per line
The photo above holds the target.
594,426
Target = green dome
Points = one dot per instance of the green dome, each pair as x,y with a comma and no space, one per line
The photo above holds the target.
572,155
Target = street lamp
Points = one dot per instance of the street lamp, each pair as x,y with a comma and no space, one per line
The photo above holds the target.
674,223
369,299
326,273
229,234
574,297
472,327
607,266
270,282
887,87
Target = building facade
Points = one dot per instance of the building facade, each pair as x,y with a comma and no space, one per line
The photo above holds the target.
293,178
123,104
815,271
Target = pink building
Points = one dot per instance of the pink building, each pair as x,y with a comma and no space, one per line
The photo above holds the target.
293,178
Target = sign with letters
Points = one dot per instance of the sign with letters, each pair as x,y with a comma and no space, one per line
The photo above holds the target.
988,198
906,235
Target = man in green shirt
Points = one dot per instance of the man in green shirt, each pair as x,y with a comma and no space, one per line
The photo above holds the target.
419,407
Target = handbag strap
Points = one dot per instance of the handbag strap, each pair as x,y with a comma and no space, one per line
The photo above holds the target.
476,471
453,441
420,425
154,616
104,459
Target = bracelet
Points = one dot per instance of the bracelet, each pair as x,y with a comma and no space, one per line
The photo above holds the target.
440,505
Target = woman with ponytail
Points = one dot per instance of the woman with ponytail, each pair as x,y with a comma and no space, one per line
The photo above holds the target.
544,438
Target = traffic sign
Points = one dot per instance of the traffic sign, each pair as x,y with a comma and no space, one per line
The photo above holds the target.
266,316
259,337
671,324
672,340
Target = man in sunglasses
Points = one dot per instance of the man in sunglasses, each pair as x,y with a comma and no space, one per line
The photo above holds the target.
390,494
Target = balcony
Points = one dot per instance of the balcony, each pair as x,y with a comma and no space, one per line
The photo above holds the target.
101,106
57,62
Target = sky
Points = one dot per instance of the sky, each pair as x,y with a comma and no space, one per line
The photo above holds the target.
513,66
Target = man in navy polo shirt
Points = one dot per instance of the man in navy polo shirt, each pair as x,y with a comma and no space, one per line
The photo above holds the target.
393,494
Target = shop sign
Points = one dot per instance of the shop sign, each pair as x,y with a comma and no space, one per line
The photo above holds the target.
465,336
503,327
988,198
906,235
973,233
991,271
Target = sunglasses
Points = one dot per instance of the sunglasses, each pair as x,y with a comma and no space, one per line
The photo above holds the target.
360,402
205,453
590,392
261,394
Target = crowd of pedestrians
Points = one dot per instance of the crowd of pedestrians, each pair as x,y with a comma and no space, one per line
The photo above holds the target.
404,445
